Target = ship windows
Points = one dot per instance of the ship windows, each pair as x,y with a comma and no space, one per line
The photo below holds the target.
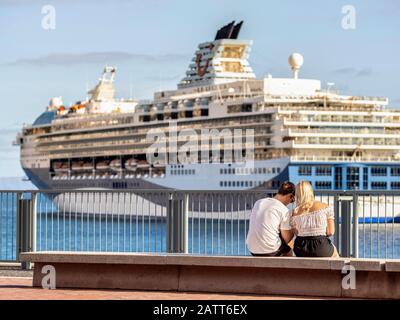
379,171
247,107
323,185
338,178
120,185
353,178
247,171
305,170
379,185
323,171
395,185
365,179
242,184
182,172
204,112
395,171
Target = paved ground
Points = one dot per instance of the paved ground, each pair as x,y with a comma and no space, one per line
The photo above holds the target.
12,272
16,284
20,288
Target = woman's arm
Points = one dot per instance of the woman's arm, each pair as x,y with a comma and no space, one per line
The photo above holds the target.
330,229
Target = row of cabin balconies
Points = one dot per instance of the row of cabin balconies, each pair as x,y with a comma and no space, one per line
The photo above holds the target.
339,117
123,150
143,132
322,124
210,123
378,132
261,139
362,158
343,143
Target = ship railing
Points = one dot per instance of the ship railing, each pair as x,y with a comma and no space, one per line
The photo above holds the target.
189,222
344,130
342,159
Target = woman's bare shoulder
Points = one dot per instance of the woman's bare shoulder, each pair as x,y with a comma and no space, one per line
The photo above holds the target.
318,205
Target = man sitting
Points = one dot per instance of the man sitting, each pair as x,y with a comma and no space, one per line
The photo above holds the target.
269,230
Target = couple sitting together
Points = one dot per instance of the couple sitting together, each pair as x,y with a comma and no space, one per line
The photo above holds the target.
273,227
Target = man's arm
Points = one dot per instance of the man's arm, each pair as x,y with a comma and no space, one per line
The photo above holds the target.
287,235
286,229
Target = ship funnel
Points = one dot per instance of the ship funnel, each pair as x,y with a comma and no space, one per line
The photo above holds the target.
223,60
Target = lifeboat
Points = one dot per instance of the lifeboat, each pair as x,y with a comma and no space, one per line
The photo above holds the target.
103,165
115,165
78,107
143,164
77,165
131,164
88,166
159,164
60,167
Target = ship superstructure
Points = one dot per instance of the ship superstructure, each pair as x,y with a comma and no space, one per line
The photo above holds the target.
300,132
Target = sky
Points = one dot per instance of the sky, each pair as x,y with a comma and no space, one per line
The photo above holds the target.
152,42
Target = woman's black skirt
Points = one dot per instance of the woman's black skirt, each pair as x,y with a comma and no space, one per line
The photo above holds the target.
317,246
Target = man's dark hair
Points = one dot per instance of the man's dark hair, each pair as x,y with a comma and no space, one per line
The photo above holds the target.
286,188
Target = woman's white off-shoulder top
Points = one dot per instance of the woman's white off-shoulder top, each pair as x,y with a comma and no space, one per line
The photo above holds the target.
313,223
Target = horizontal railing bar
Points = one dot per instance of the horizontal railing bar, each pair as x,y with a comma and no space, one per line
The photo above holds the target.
267,191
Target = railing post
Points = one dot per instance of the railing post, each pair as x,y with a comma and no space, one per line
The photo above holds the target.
345,228
185,224
18,236
336,208
26,226
33,222
170,230
355,226
177,224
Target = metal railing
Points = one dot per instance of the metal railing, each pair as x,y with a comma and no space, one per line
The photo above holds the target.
193,222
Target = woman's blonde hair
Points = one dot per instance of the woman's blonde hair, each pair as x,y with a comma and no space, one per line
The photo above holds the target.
304,197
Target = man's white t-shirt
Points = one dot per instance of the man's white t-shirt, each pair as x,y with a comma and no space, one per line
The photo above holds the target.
267,218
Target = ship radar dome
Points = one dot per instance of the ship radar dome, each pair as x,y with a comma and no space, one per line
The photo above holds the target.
296,61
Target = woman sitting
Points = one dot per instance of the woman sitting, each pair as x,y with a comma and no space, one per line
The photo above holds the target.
313,223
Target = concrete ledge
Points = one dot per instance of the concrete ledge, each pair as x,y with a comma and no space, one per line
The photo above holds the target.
280,276
392,266
367,264
183,260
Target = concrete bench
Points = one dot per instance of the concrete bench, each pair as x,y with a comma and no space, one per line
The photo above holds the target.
255,275
392,266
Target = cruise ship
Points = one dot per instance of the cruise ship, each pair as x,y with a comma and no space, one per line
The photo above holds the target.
300,130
